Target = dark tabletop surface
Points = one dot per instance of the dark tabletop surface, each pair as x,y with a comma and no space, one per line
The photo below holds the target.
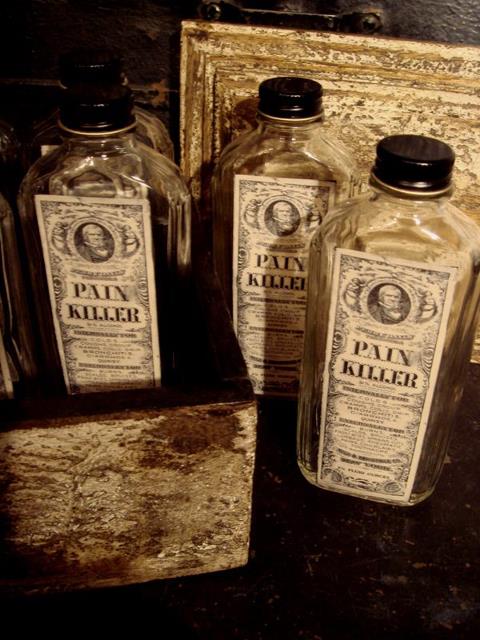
322,565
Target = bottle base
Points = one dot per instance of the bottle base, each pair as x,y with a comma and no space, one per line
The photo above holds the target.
414,499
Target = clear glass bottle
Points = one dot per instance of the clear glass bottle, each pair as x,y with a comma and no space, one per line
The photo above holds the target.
99,67
106,222
392,310
271,188
17,351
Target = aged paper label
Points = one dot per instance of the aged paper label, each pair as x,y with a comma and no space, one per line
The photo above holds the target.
46,148
274,219
387,326
6,386
99,264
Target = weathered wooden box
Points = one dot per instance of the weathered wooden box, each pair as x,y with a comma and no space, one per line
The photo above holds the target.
110,489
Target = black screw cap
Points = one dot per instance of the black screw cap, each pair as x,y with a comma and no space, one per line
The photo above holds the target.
414,163
97,109
290,97
93,66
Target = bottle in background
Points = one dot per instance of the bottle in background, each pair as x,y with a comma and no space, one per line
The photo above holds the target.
97,67
17,350
271,189
392,310
106,224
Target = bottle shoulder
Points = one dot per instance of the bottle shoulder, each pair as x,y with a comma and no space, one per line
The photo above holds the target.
150,130
124,170
392,226
236,148
260,153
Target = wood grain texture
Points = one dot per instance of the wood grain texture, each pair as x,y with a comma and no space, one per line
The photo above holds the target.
125,500
373,87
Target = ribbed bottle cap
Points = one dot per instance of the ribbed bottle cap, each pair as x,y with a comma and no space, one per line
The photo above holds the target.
96,66
414,163
290,97
92,109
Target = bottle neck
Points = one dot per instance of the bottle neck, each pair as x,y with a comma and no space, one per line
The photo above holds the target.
293,128
409,203
402,193
100,143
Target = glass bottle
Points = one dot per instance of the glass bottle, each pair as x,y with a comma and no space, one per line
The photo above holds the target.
99,67
271,188
392,310
17,351
106,222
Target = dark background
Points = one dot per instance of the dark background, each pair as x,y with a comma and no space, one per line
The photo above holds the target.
33,33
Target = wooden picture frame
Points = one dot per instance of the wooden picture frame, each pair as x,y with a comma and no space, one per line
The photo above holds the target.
373,87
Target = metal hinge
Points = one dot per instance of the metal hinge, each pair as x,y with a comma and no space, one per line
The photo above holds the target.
366,20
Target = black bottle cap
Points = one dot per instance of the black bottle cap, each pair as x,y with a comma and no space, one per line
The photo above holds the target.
96,66
290,97
414,163
92,109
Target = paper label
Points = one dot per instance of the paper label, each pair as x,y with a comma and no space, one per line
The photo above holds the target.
99,263
274,219
46,148
387,327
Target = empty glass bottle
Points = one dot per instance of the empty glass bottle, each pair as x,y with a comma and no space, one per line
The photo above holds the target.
17,351
271,188
106,222
99,67
392,309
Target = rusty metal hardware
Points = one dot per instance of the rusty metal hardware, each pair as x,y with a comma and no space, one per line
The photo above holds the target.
366,20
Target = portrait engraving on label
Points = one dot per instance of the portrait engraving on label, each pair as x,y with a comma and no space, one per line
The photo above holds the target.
274,219
6,386
387,326
99,265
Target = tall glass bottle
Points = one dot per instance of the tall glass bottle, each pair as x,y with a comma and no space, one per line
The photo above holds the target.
392,309
106,222
17,352
99,67
271,188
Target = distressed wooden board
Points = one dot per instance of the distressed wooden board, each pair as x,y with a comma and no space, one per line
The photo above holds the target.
129,498
373,87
